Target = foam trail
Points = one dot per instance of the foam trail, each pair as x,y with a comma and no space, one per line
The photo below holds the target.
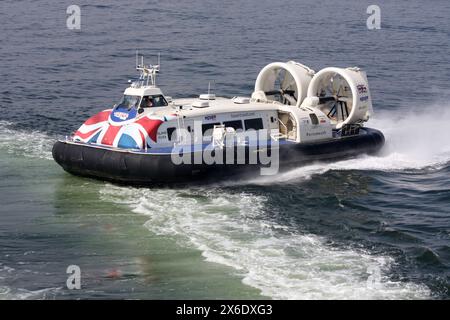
414,141
236,231
8,293
33,144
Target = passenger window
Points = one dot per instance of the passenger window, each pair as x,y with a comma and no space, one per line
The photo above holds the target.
170,132
207,128
235,124
255,124
314,119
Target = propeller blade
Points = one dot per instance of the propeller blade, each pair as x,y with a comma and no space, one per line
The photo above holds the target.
289,92
326,99
281,92
344,99
346,108
272,92
332,111
292,101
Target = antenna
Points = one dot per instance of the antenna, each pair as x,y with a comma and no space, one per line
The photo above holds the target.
209,96
137,58
147,73
209,90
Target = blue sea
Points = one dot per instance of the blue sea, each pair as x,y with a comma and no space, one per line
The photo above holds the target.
372,227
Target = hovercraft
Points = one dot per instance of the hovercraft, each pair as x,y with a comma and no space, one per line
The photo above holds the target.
294,116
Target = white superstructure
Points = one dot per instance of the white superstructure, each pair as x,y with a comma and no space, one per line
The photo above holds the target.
290,102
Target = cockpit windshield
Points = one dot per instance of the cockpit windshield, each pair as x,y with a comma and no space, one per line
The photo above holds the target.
128,102
153,101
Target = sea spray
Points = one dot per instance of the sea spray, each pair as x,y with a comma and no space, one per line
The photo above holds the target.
414,140
33,144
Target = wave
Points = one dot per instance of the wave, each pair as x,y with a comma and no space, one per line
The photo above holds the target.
236,231
8,293
34,144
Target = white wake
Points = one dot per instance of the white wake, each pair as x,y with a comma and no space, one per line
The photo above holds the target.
33,143
236,231
414,141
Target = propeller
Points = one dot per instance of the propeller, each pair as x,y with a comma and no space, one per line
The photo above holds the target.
335,97
287,93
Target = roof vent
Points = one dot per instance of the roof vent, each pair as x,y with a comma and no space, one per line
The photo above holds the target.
200,104
241,100
207,96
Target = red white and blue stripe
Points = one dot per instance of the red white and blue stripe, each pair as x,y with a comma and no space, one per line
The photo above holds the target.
138,134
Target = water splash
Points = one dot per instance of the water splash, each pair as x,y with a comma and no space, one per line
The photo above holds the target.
34,144
7,293
414,141
234,229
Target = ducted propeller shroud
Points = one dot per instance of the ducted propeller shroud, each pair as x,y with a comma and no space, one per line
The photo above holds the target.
343,94
285,82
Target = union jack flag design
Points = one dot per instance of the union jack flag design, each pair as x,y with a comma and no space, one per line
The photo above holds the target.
138,134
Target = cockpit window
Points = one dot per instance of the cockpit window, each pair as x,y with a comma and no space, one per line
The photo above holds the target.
153,101
160,101
128,102
147,102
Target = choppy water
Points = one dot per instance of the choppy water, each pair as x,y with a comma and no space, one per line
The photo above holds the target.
372,227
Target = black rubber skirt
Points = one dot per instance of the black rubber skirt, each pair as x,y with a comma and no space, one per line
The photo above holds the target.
139,168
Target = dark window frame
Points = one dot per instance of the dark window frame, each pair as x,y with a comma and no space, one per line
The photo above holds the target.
251,124
170,132
209,126
240,127
153,98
